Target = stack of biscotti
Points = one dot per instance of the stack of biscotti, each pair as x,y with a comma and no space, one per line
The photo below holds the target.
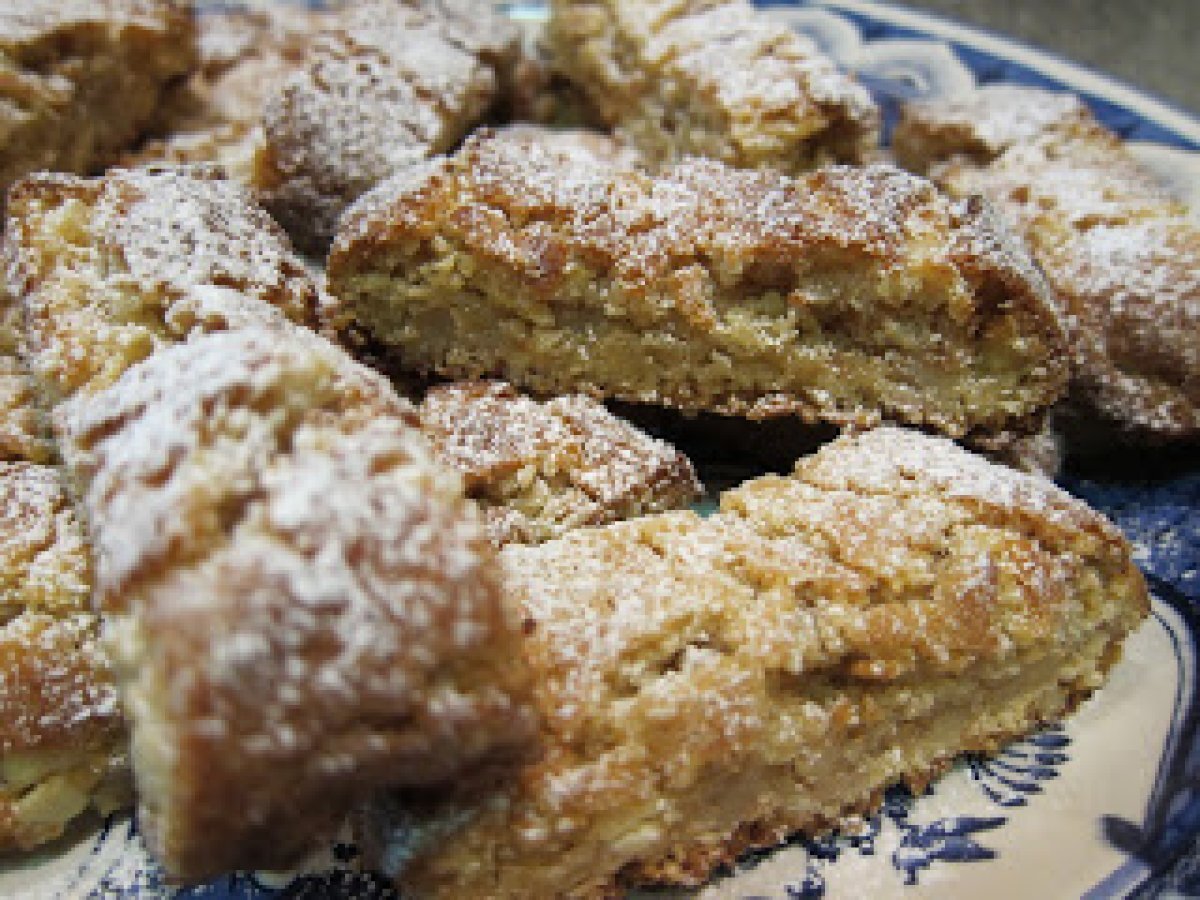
708,685
81,79
300,604
1121,254
848,296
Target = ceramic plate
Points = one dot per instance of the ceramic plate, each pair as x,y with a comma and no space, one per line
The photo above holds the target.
1105,805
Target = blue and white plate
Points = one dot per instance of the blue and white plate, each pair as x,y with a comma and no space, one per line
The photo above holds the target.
1106,805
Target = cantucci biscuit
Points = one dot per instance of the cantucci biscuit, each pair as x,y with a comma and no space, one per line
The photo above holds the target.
62,739
216,115
708,685
301,606
539,469
110,269
386,84
716,79
1121,254
80,79
848,295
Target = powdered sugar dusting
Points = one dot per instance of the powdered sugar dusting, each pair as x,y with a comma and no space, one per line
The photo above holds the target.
304,607
539,469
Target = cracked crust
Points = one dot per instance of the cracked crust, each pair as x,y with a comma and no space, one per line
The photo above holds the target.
302,607
847,296
1122,256
540,469
717,79
62,740
710,685
80,79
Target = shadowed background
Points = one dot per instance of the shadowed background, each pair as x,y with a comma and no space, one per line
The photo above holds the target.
1151,44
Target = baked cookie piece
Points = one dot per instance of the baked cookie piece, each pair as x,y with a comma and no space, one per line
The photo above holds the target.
62,742
302,606
216,115
386,85
711,685
715,79
80,79
848,295
111,269
980,125
1122,255
538,470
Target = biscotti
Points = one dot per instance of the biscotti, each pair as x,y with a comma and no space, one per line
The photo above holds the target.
302,605
1121,254
711,685
387,84
540,469
848,295
302,608
62,739
80,79
215,116
716,79
110,269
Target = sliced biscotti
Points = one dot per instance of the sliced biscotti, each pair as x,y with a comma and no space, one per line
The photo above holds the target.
62,739
110,269
1121,254
716,79
709,685
302,607
387,83
80,79
540,469
848,295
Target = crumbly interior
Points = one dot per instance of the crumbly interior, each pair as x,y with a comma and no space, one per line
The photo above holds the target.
62,742
24,429
538,470
720,80
79,79
849,296
709,685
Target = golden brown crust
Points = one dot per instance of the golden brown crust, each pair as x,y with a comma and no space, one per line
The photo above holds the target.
61,734
302,607
79,79
1122,256
110,269
707,685
848,295
717,79
538,470
387,84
